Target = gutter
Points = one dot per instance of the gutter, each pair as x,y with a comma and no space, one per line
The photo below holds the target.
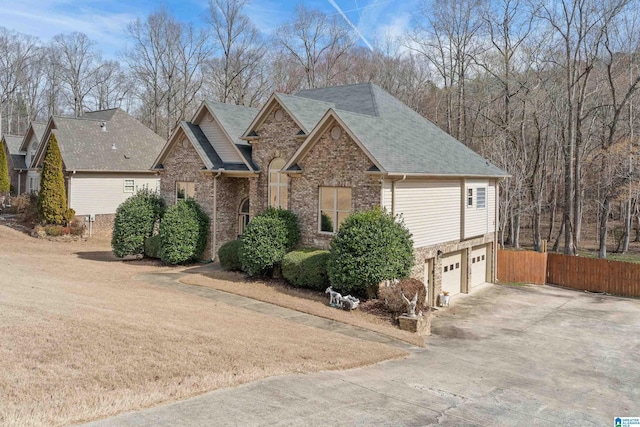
393,194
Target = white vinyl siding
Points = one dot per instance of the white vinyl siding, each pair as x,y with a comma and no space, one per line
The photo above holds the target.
476,218
387,196
431,209
219,141
103,193
31,150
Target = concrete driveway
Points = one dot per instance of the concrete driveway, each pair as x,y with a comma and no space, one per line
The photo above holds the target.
504,356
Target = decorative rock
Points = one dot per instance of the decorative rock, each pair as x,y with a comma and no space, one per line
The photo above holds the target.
420,324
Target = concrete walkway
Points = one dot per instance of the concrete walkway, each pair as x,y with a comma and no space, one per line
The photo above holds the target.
507,356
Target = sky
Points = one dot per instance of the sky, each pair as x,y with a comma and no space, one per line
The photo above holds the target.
105,21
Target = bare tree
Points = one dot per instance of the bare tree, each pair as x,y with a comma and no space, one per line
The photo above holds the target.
239,50
316,43
78,63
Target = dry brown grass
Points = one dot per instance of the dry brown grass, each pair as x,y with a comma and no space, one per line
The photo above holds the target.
80,339
297,299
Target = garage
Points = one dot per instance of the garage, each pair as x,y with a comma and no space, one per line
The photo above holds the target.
452,273
478,262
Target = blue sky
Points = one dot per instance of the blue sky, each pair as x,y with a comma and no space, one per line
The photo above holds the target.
104,21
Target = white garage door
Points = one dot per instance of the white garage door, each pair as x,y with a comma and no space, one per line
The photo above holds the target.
478,263
452,273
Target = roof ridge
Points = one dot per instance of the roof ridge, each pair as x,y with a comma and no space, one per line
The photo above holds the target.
334,86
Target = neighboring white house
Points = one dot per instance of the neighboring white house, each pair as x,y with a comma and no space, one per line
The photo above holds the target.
107,156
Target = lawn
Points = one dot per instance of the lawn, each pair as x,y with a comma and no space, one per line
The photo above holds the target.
80,339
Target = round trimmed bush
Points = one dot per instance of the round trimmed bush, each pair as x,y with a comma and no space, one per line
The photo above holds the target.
370,246
290,221
152,246
306,268
229,255
184,230
134,222
264,244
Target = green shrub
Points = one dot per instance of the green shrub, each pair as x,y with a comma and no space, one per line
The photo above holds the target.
52,204
184,230
54,230
5,184
152,246
264,244
369,247
290,221
134,222
306,268
69,216
229,255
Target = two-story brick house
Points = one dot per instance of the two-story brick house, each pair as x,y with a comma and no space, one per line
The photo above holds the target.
324,153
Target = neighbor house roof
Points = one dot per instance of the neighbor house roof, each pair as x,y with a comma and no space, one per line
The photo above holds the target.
35,128
399,139
108,140
233,120
16,157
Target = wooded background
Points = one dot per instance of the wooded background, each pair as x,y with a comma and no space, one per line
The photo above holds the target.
544,89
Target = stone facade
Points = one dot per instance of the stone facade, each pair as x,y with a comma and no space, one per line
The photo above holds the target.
430,254
331,163
231,193
278,138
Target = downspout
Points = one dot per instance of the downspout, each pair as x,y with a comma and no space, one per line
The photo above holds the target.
214,231
393,194
69,190
19,176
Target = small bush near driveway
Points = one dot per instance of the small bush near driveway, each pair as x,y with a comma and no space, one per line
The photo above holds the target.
134,222
229,255
306,268
264,244
184,230
370,246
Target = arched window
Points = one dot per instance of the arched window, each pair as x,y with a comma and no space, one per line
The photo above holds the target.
278,184
243,216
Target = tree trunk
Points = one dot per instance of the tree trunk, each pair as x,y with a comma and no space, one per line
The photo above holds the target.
602,232
627,227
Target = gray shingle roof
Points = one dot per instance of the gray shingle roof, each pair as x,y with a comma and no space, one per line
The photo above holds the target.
13,143
38,129
85,146
401,140
235,119
200,142
19,161
307,111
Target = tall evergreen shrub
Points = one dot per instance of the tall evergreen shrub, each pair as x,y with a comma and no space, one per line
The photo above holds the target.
52,204
5,184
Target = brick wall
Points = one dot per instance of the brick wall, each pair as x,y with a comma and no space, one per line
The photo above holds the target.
231,192
430,253
277,139
332,163
184,164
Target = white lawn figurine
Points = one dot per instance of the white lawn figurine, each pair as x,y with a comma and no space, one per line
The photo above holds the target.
349,303
334,297
411,305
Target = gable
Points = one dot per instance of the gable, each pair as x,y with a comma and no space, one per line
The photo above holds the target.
181,143
217,137
330,128
269,113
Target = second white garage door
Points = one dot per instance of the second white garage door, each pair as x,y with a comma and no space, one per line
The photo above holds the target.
452,273
478,263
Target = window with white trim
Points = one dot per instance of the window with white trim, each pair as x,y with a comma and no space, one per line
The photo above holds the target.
185,190
335,207
469,197
243,216
278,184
481,198
129,186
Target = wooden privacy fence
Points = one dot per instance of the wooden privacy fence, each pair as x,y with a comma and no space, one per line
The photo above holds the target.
522,266
595,275
591,274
